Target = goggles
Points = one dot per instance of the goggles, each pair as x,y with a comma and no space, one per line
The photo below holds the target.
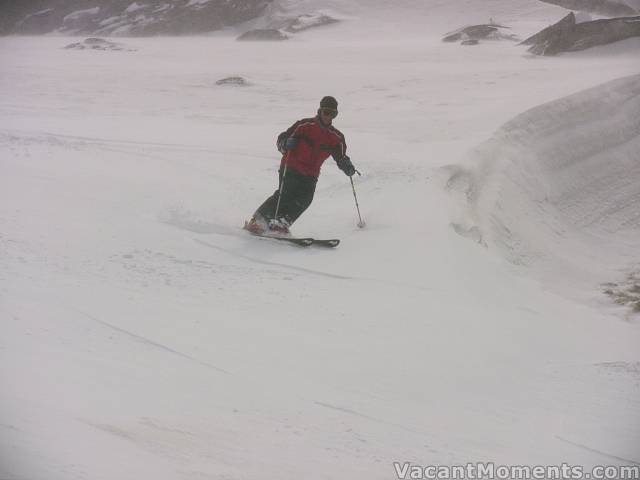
329,112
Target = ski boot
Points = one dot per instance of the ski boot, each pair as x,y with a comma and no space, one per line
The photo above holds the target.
257,225
279,228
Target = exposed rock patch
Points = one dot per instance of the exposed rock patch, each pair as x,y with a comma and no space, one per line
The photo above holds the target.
263,35
237,81
475,33
569,36
627,292
98,44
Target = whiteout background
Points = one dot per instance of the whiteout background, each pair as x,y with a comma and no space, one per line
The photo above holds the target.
145,336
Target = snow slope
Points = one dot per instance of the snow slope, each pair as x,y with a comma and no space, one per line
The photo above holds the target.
143,335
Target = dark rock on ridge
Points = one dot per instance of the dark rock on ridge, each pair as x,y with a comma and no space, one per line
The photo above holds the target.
545,39
569,36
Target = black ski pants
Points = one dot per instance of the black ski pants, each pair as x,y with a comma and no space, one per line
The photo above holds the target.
297,194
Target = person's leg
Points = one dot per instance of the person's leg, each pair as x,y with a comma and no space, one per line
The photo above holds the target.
267,211
297,195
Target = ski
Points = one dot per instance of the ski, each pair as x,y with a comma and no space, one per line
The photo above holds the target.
299,241
330,243
305,241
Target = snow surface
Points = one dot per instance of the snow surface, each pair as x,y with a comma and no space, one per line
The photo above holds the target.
134,7
144,335
197,2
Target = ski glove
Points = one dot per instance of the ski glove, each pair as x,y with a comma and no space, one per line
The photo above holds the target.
291,143
346,166
285,144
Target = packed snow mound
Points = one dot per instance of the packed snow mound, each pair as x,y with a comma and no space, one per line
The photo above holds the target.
560,182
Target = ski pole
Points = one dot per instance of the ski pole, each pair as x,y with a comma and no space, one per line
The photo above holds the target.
361,223
284,174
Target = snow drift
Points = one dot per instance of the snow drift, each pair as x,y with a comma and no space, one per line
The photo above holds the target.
560,182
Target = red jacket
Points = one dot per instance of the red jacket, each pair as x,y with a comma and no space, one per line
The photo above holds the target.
316,141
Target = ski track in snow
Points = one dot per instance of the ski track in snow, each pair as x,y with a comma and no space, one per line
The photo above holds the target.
310,271
606,455
368,417
274,264
151,343
204,227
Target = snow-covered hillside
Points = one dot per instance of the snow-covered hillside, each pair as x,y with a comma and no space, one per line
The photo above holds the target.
143,334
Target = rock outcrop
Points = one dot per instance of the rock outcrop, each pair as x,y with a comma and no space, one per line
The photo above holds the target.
569,36
125,17
234,81
98,44
476,33
263,35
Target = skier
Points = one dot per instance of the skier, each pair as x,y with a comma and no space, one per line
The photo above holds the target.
304,147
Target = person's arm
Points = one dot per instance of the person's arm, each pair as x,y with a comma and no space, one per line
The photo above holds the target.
287,140
339,154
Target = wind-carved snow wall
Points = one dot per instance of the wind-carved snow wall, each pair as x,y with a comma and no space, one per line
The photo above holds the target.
560,182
